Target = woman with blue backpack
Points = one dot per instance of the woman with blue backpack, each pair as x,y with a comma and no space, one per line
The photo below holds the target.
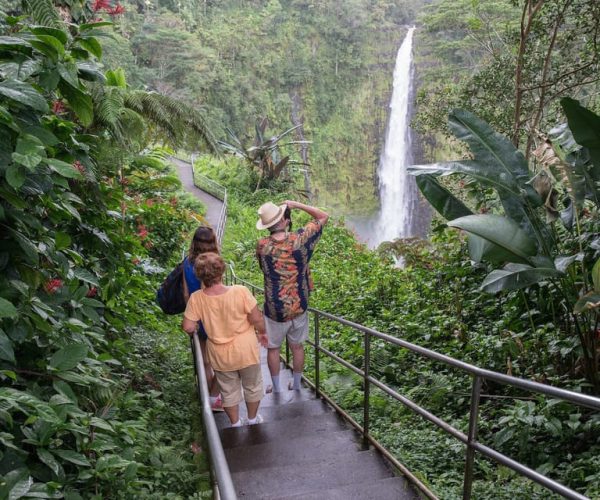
204,241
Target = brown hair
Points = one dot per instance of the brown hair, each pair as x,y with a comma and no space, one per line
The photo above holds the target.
209,268
204,241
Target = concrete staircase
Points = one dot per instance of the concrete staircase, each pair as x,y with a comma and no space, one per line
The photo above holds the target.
304,450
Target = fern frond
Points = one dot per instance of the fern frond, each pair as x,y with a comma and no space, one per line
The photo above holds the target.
42,12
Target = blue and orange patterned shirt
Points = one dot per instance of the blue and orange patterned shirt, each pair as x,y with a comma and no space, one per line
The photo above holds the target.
285,268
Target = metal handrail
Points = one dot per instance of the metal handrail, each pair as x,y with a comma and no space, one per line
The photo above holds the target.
204,183
469,439
220,467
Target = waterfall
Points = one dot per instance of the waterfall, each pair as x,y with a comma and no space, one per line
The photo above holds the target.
398,191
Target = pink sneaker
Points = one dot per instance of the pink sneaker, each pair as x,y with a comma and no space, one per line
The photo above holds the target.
217,405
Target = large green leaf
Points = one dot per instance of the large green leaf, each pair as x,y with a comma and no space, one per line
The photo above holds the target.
441,199
14,43
24,94
490,148
73,457
585,126
30,251
68,357
49,46
6,346
49,459
92,45
80,102
472,168
516,276
502,232
596,276
575,166
59,34
497,164
7,310
68,72
63,168
15,176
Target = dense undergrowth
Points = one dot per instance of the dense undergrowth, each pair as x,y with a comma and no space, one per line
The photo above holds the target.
435,302
96,388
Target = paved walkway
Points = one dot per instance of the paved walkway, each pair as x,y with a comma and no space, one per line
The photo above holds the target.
213,205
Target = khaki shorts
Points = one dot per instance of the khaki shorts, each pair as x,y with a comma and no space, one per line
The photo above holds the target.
231,383
296,330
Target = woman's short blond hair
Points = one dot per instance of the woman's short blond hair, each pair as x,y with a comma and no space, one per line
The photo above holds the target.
209,268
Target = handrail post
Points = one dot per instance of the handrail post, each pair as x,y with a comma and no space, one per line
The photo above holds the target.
317,357
472,437
367,389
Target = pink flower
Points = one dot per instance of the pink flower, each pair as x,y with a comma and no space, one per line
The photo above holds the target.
149,202
142,232
79,166
58,107
53,285
92,292
135,261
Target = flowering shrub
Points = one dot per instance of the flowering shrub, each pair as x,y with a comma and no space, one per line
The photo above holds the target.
73,424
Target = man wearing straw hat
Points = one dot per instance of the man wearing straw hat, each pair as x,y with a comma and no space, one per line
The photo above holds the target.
283,257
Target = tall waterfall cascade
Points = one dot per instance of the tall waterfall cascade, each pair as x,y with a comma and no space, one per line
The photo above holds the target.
399,197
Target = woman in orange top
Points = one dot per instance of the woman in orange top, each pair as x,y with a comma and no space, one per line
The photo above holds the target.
230,316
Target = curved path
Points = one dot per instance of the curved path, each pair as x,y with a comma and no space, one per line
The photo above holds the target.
303,450
213,204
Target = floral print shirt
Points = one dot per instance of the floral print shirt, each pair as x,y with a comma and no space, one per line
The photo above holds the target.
285,268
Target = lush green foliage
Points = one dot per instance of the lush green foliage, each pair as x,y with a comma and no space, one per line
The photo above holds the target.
325,65
91,402
507,61
535,252
435,302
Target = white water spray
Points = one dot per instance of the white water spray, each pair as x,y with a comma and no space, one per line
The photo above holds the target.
398,191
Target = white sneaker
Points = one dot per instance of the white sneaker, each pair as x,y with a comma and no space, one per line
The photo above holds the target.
258,420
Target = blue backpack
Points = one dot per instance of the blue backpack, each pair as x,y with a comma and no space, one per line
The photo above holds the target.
170,294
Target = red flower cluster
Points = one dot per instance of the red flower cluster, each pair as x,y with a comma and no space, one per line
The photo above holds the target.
92,292
79,166
117,10
100,5
53,285
149,202
58,107
142,232
104,5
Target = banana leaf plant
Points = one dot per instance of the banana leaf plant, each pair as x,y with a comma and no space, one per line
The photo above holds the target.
517,236
520,240
264,155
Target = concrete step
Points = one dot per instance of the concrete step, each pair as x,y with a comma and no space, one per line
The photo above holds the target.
331,472
282,451
249,435
393,488
288,409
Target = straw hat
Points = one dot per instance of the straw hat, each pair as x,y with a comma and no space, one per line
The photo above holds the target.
270,214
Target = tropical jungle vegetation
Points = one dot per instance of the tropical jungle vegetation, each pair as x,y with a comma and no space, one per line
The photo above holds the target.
289,98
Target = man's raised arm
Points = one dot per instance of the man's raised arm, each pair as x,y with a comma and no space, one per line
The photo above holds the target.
314,212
